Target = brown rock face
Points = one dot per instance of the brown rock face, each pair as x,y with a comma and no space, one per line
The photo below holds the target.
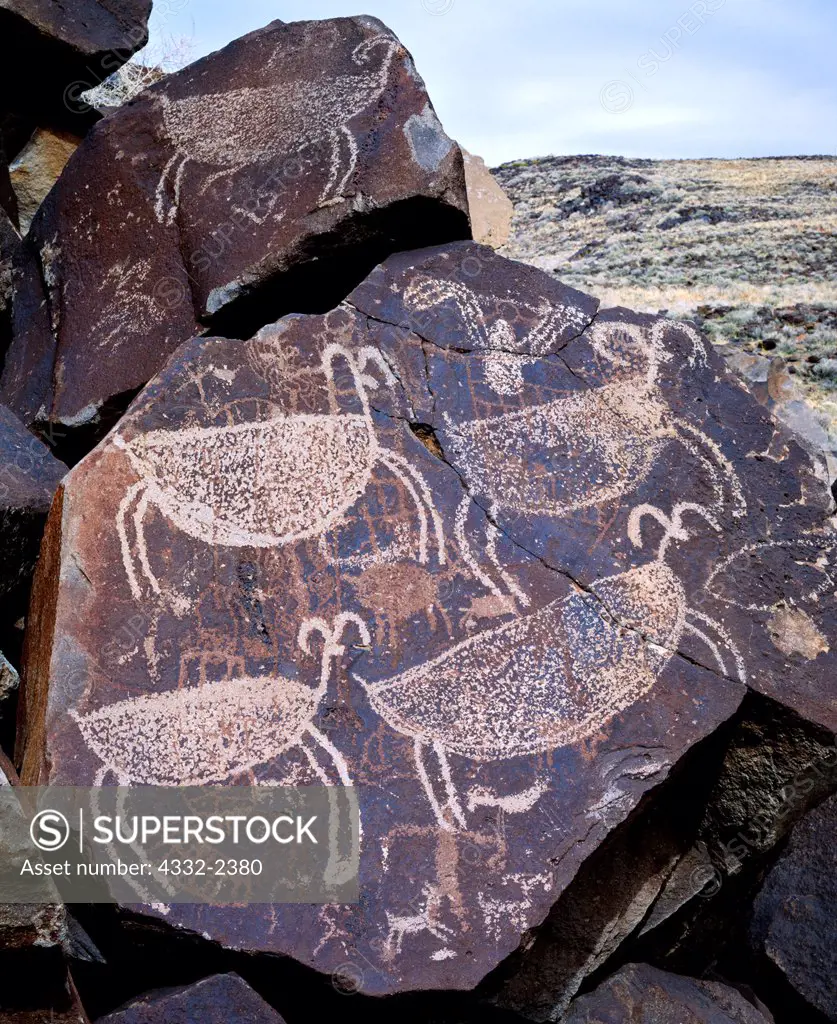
465,542
686,433
50,52
37,168
221,999
793,921
300,155
491,209
29,475
639,994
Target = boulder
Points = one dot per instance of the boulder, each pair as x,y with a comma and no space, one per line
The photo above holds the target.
9,680
29,475
37,168
220,999
9,244
267,178
52,52
36,987
8,200
491,209
639,994
778,390
14,132
793,918
480,536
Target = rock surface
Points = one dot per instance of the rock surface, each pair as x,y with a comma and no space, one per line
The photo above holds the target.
37,168
779,390
9,242
9,680
35,987
51,52
639,994
793,920
8,200
517,521
298,156
29,475
768,545
491,209
221,999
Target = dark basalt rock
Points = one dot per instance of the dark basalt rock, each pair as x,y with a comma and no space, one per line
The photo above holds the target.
29,475
51,52
8,200
299,155
35,985
466,542
15,130
221,999
764,568
639,994
793,919
9,244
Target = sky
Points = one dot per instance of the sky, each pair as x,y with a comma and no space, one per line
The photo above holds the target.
652,78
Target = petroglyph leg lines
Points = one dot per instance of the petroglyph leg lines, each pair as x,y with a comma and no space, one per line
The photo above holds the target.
282,120
673,529
271,482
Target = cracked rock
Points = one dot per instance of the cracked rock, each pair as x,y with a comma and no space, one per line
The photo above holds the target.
35,986
287,540
29,475
220,999
639,994
51,52
793,918
628,433
299,156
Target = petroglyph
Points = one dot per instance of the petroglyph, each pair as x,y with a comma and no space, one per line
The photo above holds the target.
268,483
428,293
803,569
210,733
516,556
497,912
550,678
504,372
426,920
226,129
611,436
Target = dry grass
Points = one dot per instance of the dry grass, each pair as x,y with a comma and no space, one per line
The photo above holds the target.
746,247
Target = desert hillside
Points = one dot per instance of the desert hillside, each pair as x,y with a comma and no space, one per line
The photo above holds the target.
747,247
